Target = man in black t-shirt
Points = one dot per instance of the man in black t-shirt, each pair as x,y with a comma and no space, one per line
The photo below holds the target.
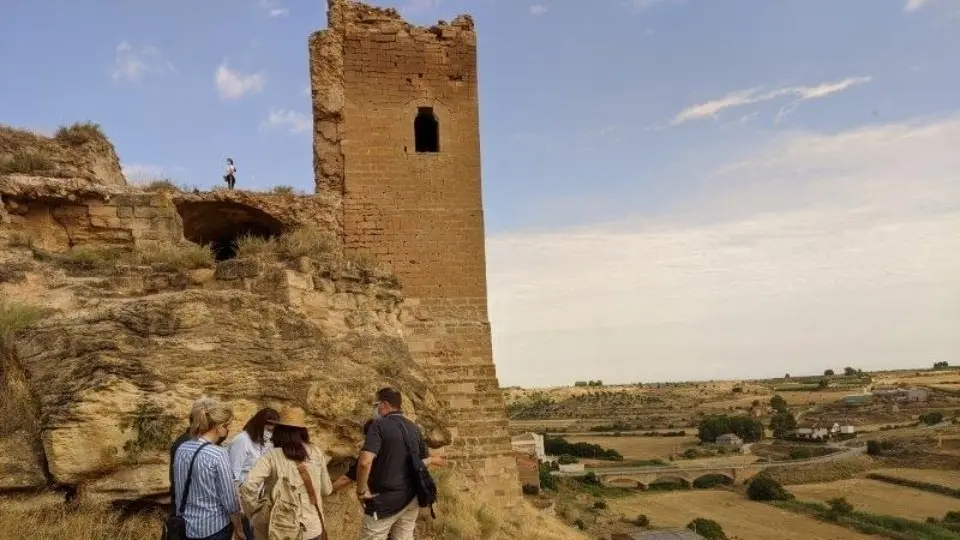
385,478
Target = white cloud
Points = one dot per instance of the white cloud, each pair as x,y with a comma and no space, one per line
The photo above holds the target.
818,251
273,8
643,5
293,121
132,63
140,172
913,5
711,109
538,9
234,84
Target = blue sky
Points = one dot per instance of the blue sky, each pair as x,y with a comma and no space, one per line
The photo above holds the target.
648,135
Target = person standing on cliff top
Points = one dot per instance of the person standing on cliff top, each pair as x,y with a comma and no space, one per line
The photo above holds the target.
230,177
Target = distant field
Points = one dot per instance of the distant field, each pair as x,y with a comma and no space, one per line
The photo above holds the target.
634,448
739,517
880,498
933,476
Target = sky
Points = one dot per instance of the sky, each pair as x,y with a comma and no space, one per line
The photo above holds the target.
673,189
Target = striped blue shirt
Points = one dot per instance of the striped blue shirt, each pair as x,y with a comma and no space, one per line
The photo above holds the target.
213,497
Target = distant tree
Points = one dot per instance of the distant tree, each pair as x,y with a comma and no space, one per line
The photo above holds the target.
849,371
642,521
932,418
783,423
737,389
952,516
599,504
839,506
940,365
823,384
547,480
756,403
778,403
566,459
786,376
765,488
744,427
828,373
876,448
530,489
580,383
707,528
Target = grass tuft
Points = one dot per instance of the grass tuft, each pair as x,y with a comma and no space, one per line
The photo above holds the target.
15,316
255,247
284,190
187,256
26,162
305,242
79,134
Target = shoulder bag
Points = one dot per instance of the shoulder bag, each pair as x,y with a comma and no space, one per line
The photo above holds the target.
175,528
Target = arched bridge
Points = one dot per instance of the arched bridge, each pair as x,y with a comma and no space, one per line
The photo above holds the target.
642,477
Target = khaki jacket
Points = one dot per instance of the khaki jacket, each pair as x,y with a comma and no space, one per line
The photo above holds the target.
275,500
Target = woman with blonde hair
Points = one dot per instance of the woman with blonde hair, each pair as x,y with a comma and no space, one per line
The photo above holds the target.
205,495
283,492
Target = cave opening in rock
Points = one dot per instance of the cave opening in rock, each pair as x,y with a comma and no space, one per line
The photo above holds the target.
220,223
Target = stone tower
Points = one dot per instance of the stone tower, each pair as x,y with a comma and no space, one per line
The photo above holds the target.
397,143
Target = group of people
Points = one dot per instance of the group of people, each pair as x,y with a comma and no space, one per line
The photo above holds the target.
269,482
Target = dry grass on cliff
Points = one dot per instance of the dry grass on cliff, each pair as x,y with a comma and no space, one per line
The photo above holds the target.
57,521
186,256
16,402
289,246
79,134
461,514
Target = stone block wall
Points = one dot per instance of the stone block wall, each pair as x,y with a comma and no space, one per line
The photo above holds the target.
420,214
129,220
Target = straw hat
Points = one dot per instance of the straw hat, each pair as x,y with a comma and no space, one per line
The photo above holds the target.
292,417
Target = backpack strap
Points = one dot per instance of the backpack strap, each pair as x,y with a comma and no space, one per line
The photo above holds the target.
312,493
186,485
412,452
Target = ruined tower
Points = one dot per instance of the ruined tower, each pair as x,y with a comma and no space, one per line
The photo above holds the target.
397,140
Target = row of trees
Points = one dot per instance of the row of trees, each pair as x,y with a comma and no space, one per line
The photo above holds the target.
848,371
711,427
561,447
588,383
940,365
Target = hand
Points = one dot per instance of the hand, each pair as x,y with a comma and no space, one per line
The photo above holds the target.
438,461
365,496
238,534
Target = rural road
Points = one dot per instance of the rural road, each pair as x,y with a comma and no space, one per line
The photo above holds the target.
845,453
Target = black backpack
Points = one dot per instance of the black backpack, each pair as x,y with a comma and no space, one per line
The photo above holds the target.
426,487
175,528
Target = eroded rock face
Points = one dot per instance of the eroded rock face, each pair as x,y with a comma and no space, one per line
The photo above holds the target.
115,382
122,351
84,154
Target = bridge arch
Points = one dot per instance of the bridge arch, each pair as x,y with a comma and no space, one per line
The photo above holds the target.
667,479
714,478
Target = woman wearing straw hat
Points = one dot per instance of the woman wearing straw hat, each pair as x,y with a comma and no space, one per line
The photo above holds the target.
282,495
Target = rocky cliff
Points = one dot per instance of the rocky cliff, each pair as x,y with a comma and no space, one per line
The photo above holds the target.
79,151
113,322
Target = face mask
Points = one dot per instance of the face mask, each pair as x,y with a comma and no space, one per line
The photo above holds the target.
223,437
267,435
376,411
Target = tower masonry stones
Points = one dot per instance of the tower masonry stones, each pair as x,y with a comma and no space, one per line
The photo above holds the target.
397,139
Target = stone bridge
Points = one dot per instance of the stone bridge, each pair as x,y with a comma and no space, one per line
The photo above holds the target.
642,478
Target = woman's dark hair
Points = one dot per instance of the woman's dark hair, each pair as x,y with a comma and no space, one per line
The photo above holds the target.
254,426
292,440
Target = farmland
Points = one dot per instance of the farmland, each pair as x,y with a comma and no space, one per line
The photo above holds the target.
880,498
739,517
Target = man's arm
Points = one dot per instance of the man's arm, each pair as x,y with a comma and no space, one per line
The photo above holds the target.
364,465
371,446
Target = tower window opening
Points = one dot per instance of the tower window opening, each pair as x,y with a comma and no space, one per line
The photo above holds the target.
426,130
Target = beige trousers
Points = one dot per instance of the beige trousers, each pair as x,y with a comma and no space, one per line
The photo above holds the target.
396,527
